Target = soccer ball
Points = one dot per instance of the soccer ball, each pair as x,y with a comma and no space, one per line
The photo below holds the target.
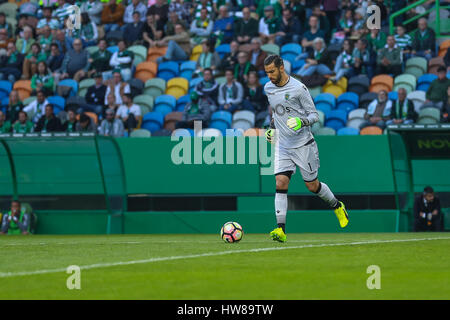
231,232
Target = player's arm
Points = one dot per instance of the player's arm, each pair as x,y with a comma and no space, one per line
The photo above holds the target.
305,100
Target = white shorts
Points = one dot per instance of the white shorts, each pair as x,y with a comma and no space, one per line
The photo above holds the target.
305,157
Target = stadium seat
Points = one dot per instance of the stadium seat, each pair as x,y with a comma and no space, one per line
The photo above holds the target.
334,49
348,101
243,120
406,81
224,116
336,119
326,98
325,131
168,70
93,116
254,132
443,48
171,119
324,107
193,83
140,133
271,48
357,114
221,80
84,86
355,123
336,89
162,133
140,51
182,101
113,49
235,133
70,83
146,70
393,95
187,68
381,82
155,87
315,91
209,132
290,51
23,87
92,50
28,100
5,88
154,53
152,121
348,131
113,37
358,84
434,64
58,103
9,9
316,126
145,100
262,80
75,102
418,98
417,66
222,49
371,130
183,133
367,98
196,52
425,80
297,65
177,87
287,66
165,104
136,86
429,116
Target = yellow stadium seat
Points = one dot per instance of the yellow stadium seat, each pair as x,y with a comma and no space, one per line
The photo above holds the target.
196,51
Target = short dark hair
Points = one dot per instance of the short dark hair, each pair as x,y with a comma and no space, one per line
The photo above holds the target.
229,69
274,58
428,190
84,118
207,69
441,69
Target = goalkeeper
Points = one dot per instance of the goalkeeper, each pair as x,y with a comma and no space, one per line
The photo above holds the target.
293,114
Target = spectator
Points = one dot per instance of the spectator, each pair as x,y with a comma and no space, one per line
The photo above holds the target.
62,12
389,59
23,125
174,19
37,107
182,9
4,40
403,41
223,26
290,29
11,64
257,56
231,93
76,62
45,40
437,91
122,60
149,32
111,126
179,47
427,211
60,40
15,221
363,59
313,33
209,58
359,27
112,16
347,22
446,108
95,96
343,62
47,21
424,40
269,25
402,111
133,31
378,111
14,106
201,27
31,61
319,60
242,68
5,125
135,5
86,124
230,59
54,61
89,32
42,80
94,9
446,59
245,29
5,25
25,42
323,22
208,88
71,124
376,39
160,12
331,9
99,61
111,102
48,122
117,87
195,110
129,113
263,4
254,97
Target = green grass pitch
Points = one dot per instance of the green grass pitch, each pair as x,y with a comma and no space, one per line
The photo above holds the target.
308,266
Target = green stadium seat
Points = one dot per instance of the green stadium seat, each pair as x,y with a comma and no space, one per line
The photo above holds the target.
9,9
155,87
325,131
145,100
416,66
314,92
406,81
271,48
428,115
92,50
140,133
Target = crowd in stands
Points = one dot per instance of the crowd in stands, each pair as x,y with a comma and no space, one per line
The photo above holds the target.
159,65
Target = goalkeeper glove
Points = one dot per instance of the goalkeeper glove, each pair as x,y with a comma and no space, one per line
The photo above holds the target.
297,123
269,135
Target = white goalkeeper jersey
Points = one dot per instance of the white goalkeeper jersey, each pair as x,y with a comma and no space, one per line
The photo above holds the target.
291,100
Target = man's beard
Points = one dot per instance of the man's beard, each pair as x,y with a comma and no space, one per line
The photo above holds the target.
277,80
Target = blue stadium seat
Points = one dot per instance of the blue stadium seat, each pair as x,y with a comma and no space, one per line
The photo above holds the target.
223,116
425,80
164,109
113,49
348,131
181,102
326,98
58,103
5,102
348,101
264,80
290,51
222,49
297,65
70,83
336,119
235,133
187,68
183,133
324,107
393,95
5,89
152,121
194,82
166,99
168,70
220,125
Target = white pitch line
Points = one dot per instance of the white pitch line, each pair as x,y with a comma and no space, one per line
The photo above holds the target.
210,254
